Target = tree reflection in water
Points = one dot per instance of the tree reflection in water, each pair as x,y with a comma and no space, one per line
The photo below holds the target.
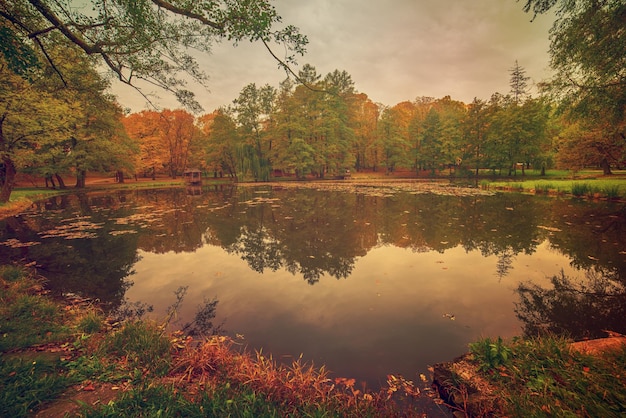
576,308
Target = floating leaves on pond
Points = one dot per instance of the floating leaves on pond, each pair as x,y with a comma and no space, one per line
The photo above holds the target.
15,243
74,230
387,189
451,317
124,232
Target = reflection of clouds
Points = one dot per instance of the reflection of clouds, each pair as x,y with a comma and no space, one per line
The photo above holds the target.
387,316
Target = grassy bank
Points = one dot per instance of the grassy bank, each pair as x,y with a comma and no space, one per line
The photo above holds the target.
589,184
549,377
65,358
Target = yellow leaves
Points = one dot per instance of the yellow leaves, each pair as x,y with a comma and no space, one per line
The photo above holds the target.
396,383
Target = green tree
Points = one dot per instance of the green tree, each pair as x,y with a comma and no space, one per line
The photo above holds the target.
145,40
392,140
430,150
31,119
253,110
451,114
518,83
224,146
338,117
588,52
475,125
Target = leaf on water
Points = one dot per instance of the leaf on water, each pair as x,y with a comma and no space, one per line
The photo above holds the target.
124,232
549,228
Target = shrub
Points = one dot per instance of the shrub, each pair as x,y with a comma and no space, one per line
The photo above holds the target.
611,191
580,189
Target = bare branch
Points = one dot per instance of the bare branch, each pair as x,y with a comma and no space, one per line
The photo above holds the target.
182,12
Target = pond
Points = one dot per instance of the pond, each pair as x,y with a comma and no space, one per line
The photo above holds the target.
365,279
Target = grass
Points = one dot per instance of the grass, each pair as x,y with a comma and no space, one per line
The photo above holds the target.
26,318
545,377
27,383
612,188
49,346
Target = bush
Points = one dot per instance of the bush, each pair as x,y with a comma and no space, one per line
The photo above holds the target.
580,189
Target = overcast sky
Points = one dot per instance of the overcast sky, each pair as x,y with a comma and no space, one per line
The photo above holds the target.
394,50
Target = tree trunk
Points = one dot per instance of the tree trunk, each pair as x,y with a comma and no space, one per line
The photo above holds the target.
8,179
120,177
80,179
50,179
606,167
60,181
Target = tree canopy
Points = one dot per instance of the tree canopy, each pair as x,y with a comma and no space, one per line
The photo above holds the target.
147,40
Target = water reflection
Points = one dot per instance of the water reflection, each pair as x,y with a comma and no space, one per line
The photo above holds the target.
405,261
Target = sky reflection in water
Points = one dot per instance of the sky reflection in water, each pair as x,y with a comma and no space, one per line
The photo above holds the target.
391,315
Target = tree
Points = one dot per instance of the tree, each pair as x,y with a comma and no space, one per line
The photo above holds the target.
588,52
144,128
253,109
224,147
365,125
518,83
392,140
31,118
98,140
144,40
430,149
475,125
165,138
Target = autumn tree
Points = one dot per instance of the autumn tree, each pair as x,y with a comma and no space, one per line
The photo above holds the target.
178,133
365,125
144,128
144,40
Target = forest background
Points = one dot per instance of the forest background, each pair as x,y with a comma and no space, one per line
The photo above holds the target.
57,116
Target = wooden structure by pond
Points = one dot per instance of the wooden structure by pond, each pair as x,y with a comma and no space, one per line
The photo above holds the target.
193,176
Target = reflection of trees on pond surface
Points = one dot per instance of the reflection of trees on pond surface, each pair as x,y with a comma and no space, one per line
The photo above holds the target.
317,233
579,308
308,232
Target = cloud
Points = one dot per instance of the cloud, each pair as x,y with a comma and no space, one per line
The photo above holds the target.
394,51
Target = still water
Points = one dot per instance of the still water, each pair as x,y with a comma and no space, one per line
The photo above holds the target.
368,280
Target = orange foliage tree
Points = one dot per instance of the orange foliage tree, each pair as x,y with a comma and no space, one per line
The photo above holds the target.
166,139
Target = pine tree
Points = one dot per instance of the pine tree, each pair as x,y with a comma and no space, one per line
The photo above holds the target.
518,83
